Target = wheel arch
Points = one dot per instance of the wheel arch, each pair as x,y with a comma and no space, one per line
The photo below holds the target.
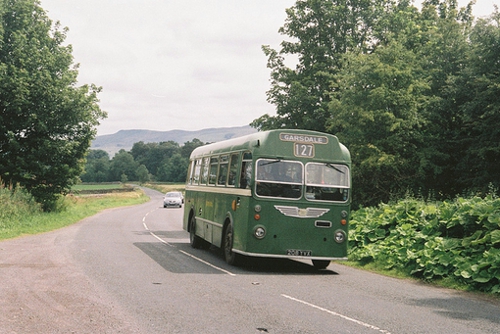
228,220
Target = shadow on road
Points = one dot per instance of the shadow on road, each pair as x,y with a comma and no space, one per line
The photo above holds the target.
456,307
172,259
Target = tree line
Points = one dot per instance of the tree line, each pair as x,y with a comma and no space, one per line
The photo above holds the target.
161,162
414,94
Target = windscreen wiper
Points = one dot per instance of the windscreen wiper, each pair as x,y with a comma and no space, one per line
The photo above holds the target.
337,169
270,162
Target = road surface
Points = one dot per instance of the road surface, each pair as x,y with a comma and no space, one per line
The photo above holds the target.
131,270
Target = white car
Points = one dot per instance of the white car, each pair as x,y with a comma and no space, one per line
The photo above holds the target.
173,199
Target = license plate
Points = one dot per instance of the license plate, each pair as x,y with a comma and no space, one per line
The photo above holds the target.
298,252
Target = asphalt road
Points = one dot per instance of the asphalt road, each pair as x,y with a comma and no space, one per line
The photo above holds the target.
131,270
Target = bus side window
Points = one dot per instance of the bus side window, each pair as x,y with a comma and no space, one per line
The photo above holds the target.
246,171
190,172
233,169
223,169
204,170
197,168
214,164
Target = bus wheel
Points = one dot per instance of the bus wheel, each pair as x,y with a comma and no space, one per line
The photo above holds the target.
320,264
194,240
230,256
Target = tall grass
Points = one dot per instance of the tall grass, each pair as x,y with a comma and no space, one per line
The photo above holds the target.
21,215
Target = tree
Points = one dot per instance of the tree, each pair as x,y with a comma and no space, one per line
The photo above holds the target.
444,51
478,84
97,167
143,174
175,169
46,121
324,31
153,155
378,106
189,147
398,86
395,108
123,167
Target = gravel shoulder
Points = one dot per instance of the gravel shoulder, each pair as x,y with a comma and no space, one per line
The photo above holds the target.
44,291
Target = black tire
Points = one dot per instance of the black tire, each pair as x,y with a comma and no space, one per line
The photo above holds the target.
227,244
194,240
320,264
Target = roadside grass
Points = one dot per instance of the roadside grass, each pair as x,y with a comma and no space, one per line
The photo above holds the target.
375,268
19,219
166,187
445,282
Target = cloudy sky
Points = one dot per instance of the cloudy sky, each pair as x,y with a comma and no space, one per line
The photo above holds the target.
177,64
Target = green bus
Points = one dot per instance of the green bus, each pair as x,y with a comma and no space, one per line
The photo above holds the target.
277,194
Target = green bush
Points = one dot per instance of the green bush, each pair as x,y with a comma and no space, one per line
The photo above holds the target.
15,204
457,240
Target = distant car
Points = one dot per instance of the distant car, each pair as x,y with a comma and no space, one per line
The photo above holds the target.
173,199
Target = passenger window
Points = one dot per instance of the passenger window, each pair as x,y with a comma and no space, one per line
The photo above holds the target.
233,169
214,163
223,169
190,173
197,167
246,171
204,170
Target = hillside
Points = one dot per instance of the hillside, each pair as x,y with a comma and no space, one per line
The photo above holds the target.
125,139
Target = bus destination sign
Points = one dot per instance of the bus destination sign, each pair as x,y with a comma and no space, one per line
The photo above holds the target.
307,139
303,145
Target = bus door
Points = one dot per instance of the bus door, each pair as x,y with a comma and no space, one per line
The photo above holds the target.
219,201
199,196
209,197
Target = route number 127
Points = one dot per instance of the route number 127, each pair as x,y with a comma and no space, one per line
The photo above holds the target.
304,150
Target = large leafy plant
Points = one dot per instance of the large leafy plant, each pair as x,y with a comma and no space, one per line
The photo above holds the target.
457,239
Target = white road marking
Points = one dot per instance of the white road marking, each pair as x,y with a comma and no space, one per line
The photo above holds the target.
338,315
164,241
207,263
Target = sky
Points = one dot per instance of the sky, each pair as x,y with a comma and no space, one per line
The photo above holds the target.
178,64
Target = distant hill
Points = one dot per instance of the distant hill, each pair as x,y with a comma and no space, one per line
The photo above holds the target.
125,139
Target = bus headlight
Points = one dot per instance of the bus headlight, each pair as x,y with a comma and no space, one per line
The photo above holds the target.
340,236
259,232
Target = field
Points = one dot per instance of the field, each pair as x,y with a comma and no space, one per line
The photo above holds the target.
96,186
100,188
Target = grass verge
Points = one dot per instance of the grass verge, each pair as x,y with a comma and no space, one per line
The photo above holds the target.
447,283
72,210
166,187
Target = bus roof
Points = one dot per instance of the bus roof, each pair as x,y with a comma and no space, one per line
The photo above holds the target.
270,143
